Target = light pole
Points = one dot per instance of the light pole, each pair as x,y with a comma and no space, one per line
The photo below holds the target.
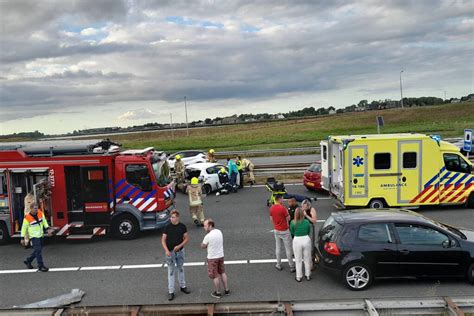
401,89
186,112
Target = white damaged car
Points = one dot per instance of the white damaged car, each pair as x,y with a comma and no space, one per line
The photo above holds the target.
207,173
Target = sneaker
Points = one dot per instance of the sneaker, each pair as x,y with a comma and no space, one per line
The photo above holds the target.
278,267
298,280
308,278
292,269
227,292
170,296
43,269
216,295
185,290
28,264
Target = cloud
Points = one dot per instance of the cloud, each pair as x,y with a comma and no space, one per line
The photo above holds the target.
137,115
89,55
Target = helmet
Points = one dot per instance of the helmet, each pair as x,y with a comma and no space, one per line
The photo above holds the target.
194,180
211,151
178,157
222,170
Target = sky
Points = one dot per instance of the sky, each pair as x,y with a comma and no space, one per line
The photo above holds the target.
68,65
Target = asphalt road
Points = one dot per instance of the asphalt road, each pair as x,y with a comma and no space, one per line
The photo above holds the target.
244,221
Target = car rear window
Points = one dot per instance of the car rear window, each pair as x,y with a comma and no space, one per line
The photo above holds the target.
330,229
315,167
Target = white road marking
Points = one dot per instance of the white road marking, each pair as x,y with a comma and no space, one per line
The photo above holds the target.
193,264
236,262
64,269
100,268
142,266
17,271
138,266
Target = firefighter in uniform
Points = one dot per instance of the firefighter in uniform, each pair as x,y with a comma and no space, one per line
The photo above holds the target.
247,166
179,171
195,202
210,156
35,225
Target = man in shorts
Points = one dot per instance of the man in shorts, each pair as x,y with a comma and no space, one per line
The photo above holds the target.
214,243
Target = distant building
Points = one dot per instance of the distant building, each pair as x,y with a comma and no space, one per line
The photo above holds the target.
455,100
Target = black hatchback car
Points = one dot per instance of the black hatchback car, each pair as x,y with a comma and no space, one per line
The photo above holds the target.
386,243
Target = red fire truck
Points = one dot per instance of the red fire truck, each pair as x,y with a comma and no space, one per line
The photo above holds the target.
86,189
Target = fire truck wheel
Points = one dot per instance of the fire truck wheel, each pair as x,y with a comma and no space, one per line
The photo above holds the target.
4,236
377,203
125,227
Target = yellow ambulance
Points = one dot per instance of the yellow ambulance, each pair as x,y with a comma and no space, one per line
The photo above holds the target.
387,170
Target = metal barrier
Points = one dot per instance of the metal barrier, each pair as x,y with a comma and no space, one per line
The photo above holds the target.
459,305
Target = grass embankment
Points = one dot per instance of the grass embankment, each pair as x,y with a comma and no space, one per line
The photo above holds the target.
448,120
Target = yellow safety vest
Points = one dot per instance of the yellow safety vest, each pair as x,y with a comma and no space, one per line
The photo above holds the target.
34,228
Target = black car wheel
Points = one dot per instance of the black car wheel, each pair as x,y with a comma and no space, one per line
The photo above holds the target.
377,203
4,235
125,227
207,189
470,273
357,276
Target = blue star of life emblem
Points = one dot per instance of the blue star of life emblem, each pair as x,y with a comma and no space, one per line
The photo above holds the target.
358,161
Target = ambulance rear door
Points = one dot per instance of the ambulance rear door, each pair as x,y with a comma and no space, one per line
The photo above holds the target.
337,171
324,166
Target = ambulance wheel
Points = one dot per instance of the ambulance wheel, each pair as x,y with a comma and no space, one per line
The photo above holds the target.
4,236
125,227
207,189
470,201
377,203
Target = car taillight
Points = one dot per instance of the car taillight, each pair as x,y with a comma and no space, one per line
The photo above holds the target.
331,247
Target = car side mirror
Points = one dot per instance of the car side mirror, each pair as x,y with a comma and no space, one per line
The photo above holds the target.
446,243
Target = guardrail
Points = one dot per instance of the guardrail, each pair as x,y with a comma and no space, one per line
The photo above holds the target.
459,305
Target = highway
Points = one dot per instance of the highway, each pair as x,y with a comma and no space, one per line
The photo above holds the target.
115,272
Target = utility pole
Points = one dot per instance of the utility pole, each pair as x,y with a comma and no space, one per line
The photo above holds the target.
401,90
172,129
186,112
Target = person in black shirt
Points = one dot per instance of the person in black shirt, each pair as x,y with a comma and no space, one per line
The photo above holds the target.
175,236
292,206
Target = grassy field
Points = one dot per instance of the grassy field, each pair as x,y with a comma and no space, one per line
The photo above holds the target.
448,120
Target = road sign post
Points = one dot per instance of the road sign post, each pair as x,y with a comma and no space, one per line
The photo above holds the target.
467,141
379,123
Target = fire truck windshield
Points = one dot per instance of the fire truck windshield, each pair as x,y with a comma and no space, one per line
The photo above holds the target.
161,170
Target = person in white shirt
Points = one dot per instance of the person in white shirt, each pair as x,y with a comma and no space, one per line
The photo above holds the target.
214,243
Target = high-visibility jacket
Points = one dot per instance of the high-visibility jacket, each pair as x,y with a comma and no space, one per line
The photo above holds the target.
239,165
34,228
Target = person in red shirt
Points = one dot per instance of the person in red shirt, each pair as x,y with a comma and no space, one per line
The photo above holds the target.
280,217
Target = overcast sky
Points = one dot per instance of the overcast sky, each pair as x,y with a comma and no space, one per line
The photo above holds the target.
69,65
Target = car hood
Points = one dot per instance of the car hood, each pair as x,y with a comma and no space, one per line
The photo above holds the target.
469,233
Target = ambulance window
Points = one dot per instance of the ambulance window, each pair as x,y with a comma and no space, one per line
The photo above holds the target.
409,160
325,152
382,161
455,163
138,176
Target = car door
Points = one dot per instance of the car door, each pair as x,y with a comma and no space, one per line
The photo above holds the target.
379,248
427,251
212,177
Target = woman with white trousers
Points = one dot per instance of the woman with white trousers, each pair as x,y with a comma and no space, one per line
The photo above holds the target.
300,229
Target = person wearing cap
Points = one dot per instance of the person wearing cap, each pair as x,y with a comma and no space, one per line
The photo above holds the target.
224,181
210,156
35,225
194,192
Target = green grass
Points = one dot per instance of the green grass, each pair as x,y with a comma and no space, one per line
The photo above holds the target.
447,120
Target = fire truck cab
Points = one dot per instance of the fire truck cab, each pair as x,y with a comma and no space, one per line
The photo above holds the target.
86,190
